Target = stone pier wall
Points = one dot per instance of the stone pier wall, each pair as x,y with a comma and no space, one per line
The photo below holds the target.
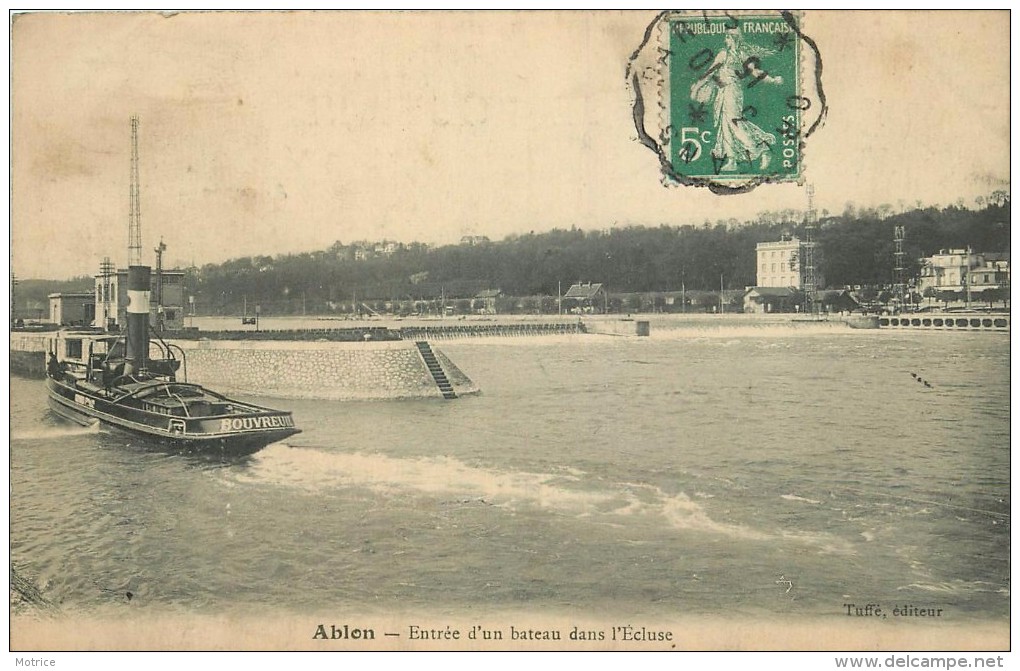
287,369
28,353
30,342
322,370
623,327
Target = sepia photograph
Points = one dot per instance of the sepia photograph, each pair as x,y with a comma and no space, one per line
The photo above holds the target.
503,331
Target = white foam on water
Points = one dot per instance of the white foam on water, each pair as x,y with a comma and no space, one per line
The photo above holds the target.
52,432
443,477
683,513
530,340
794,497
747,330
452,481
955,587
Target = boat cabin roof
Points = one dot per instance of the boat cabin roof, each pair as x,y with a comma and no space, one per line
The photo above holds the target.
89,335
146,388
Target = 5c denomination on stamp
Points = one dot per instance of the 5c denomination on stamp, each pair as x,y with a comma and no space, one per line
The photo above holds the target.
733,108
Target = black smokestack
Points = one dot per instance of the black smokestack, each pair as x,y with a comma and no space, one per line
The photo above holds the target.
137,319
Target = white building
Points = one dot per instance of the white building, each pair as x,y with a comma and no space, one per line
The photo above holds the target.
72,309
963,269
780,263
166,299
948,269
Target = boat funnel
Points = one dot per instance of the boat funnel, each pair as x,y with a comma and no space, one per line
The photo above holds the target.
137,319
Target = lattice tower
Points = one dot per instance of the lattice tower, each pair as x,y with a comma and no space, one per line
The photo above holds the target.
808,254
134,204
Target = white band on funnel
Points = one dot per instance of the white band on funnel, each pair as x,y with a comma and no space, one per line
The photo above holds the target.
138,302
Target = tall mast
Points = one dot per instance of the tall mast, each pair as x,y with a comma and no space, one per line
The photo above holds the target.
134,206
808,261
139,276
109,312
899,271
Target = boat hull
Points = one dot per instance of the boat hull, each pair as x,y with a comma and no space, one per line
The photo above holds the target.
242,433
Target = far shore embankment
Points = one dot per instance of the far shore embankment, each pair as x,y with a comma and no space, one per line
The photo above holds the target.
509,326
27,348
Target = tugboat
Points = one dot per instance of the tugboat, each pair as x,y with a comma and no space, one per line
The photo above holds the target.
91,375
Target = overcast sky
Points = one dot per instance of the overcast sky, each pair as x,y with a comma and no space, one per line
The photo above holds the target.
268,133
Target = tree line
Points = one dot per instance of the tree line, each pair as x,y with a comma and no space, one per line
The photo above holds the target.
854,248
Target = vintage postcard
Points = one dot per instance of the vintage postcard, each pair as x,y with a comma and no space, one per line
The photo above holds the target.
511,330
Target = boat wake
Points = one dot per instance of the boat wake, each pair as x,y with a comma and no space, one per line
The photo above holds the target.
452,482
52,432
956,587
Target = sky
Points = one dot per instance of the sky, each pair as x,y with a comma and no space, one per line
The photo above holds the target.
274,132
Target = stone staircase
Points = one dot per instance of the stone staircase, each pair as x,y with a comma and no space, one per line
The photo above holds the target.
429,357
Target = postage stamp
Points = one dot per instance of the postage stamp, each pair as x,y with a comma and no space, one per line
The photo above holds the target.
735,98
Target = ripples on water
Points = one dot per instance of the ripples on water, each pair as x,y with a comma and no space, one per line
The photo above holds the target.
659,476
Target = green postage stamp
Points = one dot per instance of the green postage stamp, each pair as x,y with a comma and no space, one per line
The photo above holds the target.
734,110
734,96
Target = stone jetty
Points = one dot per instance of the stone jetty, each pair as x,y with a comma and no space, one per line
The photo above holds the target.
368,370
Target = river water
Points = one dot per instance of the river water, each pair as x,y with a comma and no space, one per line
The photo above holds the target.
741,473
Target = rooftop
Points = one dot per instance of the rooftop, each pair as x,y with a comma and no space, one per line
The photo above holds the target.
773,292
583,290
72,294
783,244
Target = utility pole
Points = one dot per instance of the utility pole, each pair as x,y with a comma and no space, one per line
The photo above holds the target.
107,271
14,302
683,289
965,275
722,303
159,284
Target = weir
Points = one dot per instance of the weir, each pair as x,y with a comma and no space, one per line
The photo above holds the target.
948,322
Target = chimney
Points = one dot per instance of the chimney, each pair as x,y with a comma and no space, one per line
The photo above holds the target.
137,319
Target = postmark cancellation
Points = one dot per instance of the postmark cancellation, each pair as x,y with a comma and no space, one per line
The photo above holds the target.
737,95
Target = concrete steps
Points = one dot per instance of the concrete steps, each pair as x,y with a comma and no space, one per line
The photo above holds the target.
429,357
